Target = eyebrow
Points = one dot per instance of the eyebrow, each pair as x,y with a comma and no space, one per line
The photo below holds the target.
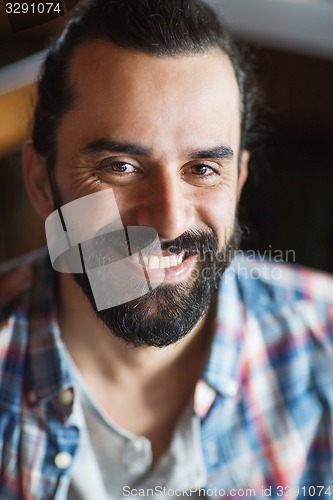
103,145
223,152
108,145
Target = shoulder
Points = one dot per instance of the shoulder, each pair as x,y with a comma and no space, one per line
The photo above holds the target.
23,284
289,312
267,286
18,278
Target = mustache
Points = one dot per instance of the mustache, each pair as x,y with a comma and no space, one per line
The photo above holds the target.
110,247
193,241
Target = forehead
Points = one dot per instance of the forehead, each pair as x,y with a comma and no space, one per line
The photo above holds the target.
131,95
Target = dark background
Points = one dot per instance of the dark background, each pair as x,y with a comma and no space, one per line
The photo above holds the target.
288,200
287,203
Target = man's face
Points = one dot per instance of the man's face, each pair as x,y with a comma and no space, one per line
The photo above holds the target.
164,134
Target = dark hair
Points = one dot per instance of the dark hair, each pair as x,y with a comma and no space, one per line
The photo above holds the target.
159,27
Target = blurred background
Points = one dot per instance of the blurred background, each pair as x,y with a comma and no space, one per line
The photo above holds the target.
287,205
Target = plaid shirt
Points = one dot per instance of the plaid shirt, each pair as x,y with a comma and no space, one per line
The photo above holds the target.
265,399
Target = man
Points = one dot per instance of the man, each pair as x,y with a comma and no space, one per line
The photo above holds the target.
213,382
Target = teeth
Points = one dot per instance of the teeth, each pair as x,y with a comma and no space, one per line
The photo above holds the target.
174,260
154,262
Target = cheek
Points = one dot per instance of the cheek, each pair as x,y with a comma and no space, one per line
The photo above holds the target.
218,213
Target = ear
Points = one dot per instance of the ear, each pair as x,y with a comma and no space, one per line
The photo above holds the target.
37,181
243,171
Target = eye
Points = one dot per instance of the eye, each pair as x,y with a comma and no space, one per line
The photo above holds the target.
202,174
202,169
118,167
119,171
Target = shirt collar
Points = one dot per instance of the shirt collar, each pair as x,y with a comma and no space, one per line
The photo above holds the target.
222,370
48,371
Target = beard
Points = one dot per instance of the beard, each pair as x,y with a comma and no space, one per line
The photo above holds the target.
167,313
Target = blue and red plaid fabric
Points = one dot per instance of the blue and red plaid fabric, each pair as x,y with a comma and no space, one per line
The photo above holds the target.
265,399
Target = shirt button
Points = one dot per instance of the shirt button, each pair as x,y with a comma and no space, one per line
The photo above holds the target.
66,397
231,388
138,446
63,460
32,398
213,456
137,456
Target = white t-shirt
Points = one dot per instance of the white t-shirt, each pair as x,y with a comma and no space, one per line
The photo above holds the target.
114,464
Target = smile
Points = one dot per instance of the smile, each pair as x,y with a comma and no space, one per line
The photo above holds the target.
164,262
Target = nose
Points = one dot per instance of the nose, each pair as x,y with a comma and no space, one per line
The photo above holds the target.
168,206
